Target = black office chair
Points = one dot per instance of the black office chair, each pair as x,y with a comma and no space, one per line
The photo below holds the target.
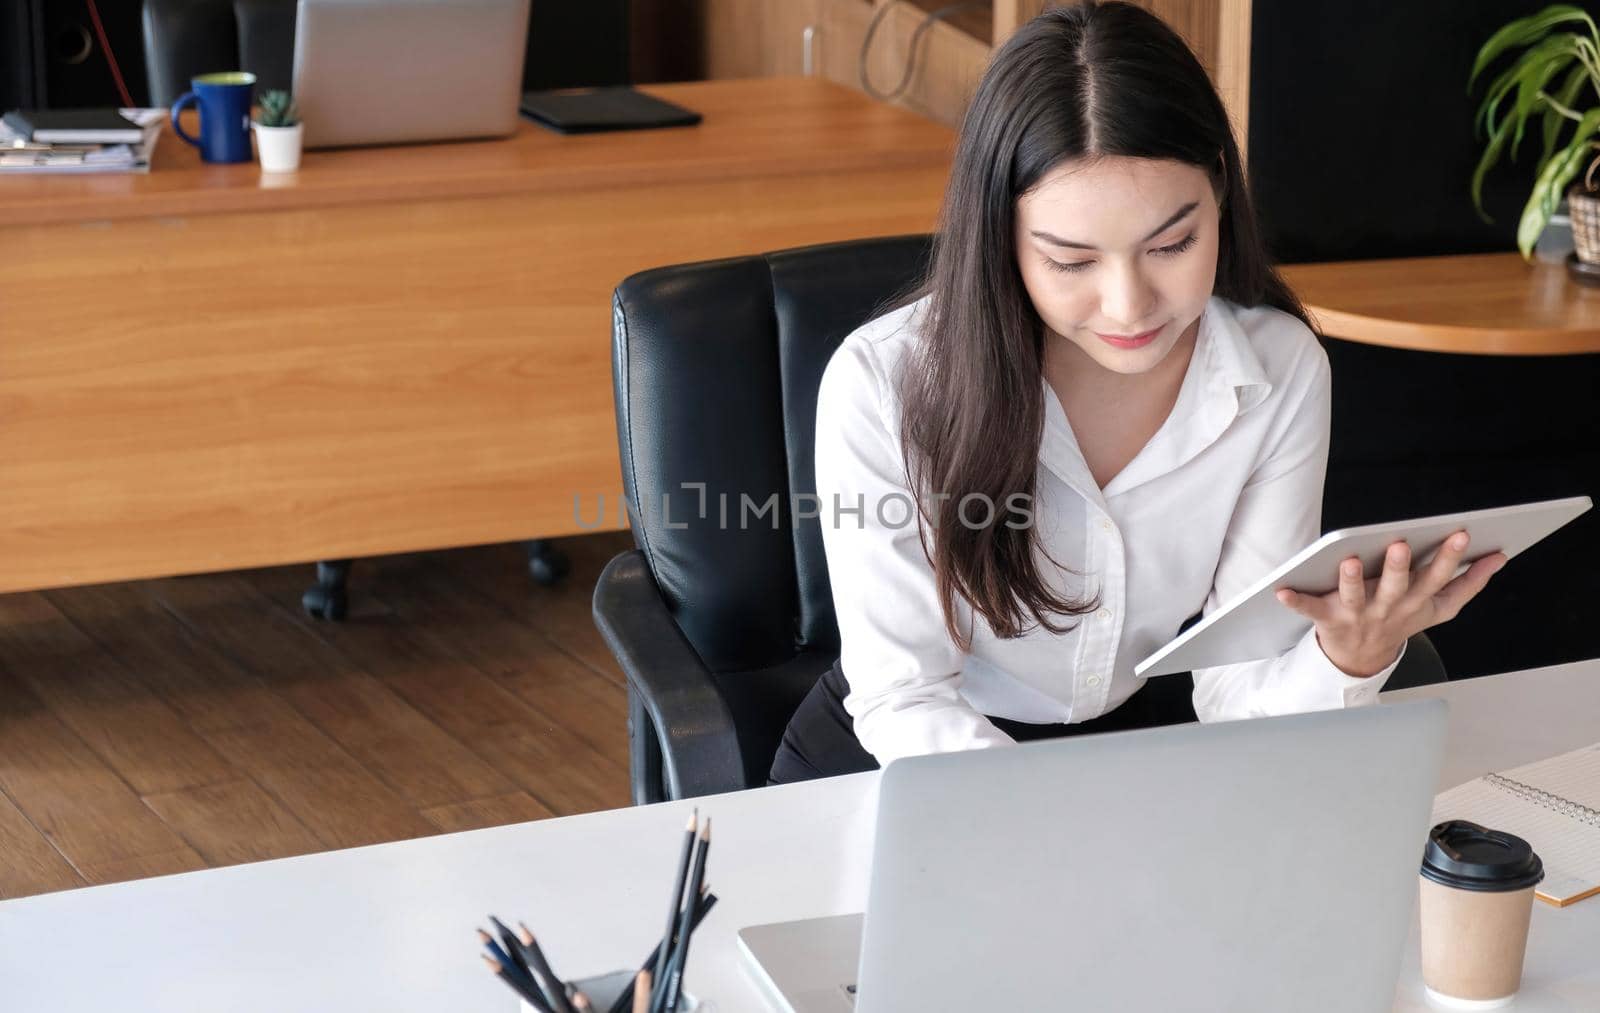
722,626
184,38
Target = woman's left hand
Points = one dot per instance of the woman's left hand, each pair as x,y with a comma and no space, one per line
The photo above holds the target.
1362,626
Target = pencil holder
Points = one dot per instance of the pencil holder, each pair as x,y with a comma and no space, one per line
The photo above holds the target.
603,989
521,964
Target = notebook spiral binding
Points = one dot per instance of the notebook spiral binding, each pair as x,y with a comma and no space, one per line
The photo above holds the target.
1555,803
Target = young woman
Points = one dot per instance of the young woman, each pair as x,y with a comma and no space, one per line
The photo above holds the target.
1103,413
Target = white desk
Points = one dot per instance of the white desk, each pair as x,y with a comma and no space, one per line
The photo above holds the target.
1506,721
389,928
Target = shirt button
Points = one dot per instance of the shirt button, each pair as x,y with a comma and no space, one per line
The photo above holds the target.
1104,613
1093,680
1106,525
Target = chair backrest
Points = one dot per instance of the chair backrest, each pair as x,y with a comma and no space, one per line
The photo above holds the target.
184,38
716,368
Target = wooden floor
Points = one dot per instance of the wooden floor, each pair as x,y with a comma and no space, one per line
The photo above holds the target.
169,725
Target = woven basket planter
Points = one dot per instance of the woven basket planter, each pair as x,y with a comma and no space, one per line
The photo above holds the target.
1585,210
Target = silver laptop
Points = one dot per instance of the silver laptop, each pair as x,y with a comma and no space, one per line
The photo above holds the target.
394,71
1263,865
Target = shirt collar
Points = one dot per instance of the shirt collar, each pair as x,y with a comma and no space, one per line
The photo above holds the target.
1225,379
1233,363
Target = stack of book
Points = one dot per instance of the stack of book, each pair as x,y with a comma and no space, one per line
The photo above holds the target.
79,140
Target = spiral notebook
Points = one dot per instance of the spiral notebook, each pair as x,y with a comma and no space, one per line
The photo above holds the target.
1554,805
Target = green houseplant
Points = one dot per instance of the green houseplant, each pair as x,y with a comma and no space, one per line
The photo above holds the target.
1552,89
277,130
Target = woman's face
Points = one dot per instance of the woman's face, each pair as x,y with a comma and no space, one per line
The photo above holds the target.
1119,255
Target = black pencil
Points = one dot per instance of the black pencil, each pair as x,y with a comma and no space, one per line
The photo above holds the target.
680,955
494,948
541,981
541,970
657,973
622,1005
514,965
526,991
669,943
509,938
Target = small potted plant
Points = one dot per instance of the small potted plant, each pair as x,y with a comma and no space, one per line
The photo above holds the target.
1551,90
277,128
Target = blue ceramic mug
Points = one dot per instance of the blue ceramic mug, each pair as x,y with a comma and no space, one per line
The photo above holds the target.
224,100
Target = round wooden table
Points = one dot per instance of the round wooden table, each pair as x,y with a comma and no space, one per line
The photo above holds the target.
1476,304
1459,383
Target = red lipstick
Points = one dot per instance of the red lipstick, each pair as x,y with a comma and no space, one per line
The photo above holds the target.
1129,340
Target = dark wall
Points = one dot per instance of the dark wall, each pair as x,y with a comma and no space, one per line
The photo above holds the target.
18,64
1423,433
668,41
573,43
50,55
1361,138
1362,146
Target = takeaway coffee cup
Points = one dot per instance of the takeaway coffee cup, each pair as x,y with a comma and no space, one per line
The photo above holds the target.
1477,900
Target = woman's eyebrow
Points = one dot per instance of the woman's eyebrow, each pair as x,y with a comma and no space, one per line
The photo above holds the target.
1177,216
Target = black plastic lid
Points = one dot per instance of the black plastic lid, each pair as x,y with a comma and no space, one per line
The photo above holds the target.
1469,857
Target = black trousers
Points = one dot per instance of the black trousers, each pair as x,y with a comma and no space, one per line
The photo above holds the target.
821,741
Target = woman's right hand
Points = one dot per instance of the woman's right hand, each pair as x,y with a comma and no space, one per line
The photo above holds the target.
1362,625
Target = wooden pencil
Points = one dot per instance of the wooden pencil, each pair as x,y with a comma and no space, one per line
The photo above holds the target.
517,984
495,948
509,938
541,970
641,992
624,1001
514,966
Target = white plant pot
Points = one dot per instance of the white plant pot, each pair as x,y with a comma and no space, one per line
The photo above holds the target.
278,147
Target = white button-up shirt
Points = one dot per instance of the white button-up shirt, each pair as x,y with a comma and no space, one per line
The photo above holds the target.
1229,487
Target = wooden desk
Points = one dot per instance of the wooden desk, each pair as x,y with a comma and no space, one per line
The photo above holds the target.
1480,304
396,348
389,927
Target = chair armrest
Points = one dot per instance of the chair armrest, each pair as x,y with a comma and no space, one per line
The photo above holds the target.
692,723
1420,666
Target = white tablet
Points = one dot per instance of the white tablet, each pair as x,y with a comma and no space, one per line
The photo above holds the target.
1256,625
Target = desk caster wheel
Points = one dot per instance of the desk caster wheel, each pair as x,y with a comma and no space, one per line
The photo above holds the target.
324,603
328,600
546,565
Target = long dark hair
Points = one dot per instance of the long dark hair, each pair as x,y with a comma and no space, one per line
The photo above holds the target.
1095,79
